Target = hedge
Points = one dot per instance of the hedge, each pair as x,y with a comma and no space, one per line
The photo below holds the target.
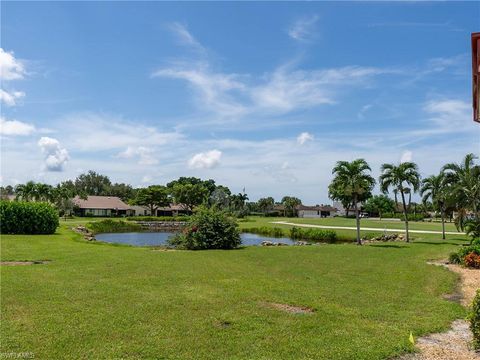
18,217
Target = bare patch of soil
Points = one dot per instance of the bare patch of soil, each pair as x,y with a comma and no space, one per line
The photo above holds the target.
290,308
23,263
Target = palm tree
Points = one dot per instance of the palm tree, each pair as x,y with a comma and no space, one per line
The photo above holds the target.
403,178
464,180
435,188
25,192
43,192
352,180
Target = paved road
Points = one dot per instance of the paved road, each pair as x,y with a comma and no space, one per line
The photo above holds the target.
366,228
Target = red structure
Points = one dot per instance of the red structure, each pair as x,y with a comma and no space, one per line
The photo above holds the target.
476,75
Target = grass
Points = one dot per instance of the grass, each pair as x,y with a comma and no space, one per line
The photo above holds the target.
101,301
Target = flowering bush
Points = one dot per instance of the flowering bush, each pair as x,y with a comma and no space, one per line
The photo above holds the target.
472,260
208,229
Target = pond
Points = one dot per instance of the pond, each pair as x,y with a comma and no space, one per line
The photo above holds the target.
160,238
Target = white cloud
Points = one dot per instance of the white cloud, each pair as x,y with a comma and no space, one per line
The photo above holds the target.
55,155
15,127
447,115
406,156
205,160
10,98
144,154
184,36
10,67
147,179
215,90
302,29
100,132
304,137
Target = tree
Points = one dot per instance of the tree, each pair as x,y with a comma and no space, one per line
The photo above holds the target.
25,192
290,203
379,204
404,178
154,196
189,195
266,204
92,183
124,191
183,180
62,197
237,201
464,179
351,179
220,198
43,192
436,189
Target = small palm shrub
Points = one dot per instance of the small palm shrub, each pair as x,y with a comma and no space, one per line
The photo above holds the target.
475,320
17,217
208,229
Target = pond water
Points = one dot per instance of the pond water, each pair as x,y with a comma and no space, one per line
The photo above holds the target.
160,238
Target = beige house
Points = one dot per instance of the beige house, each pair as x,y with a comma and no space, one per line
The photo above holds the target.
317,211
101,206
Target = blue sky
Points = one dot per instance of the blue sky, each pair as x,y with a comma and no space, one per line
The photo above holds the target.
265,96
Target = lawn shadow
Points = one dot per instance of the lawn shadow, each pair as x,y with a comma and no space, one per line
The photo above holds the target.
389,246
437,243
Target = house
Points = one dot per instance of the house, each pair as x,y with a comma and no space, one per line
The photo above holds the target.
172,210
138,210
101,206
317,211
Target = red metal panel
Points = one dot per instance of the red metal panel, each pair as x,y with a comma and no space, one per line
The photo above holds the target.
476,75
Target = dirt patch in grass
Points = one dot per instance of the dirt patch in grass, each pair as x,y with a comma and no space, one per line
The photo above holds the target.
290,308
23,263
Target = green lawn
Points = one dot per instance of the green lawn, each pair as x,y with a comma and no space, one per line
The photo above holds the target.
102,301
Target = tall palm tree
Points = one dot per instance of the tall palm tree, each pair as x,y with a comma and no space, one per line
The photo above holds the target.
352,180
464,179
404,178
43,192
435,188
25,192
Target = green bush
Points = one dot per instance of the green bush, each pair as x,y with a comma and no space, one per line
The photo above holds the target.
208,229
317,235
159,218
459,256
475,320
27,218
266,231
113,226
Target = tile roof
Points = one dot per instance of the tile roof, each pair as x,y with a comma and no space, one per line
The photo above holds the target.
101,202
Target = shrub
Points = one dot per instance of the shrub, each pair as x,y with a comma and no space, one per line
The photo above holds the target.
208,229
317,235
159,218
459,257
472,260
113,226
266,231
475,320
27,218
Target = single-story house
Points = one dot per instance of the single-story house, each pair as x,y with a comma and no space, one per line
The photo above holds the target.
317,211
172,210
138,210
101,206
